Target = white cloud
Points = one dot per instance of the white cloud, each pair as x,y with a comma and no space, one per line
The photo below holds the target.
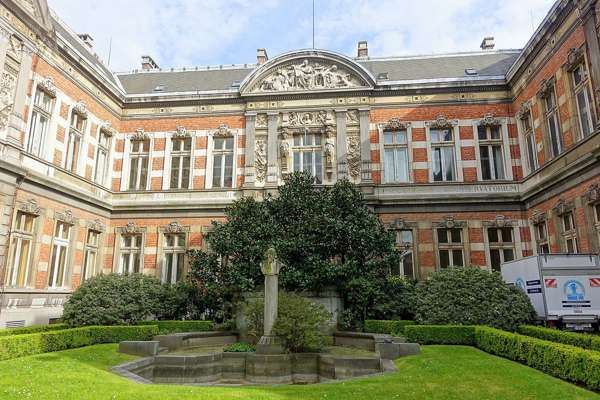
194,32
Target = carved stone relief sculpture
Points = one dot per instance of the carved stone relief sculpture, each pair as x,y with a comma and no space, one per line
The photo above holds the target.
284,152
307,75
7,89
260,162
353,157
329,150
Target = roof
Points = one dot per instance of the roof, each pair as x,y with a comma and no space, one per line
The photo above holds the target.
224,78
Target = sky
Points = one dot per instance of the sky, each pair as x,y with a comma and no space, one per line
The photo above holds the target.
185,33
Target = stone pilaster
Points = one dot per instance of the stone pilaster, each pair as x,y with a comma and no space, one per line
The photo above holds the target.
365,146
272,149
249,149
341,144
588,20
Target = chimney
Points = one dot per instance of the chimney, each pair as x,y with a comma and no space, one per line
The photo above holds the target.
363,49
148,63
87,39
261,56
487,43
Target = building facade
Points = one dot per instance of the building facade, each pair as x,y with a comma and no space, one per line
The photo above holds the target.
472,158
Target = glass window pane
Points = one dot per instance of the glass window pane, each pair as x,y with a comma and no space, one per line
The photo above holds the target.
401,165
495,132
498,162
442,235
228,178
444,258
495,260
401,137
456,235
389,167
507,235
457,258
318,167
229,143
388,137
509,255
307,162
185,173
437,164
492,235
449,163
217,171
482,132
484,156
406,236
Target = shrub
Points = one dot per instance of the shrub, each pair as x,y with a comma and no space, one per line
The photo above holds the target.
395,300
560,360
583,340
240,348
471,296
43,342
302,325
388,327
441,334
168,327
114,299
32,329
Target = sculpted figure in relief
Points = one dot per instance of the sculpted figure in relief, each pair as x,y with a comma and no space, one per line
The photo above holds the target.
353,157
260,162
7,87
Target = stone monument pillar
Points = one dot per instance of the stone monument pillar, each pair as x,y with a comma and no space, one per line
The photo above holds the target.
268,343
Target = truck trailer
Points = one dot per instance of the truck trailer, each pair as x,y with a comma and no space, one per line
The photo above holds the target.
563,288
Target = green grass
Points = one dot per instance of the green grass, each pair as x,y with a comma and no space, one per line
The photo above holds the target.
440,372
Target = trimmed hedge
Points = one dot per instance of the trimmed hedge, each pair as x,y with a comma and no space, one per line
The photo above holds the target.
168,327
44,342
560,360
390,327
583,340
441,334
32,329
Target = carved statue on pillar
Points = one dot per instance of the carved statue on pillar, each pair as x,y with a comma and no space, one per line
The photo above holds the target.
270,267
329,149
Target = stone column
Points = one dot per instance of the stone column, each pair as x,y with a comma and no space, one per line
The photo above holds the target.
365,146
249,149
270,344
341,144
588,20
272,172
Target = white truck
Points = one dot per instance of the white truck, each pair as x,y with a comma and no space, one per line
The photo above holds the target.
563,288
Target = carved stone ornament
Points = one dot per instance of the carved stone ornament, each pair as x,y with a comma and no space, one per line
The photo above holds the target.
329,150
181,132
500,221
562,207
174,227
107,128
593,193
574,58
441,122
284,152
449,222
545,88
80,108
537,217
30,207
131,228
353,157
47,85
7,91
260,162
489,120
139,135
524,109
394,124
66,217
96,225
297,119
400,223
352,117
307,75
261,121
222,131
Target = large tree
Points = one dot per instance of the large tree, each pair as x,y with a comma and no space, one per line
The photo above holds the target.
326,237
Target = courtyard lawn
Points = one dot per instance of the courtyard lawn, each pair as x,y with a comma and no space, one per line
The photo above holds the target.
440,372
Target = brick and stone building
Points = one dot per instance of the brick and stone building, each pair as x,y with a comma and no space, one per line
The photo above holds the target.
473,158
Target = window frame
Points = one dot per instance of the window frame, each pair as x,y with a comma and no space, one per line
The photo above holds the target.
131,251
569,233
18,236
90,248
454,144
500,245
541,242
175,252
105,149
38,112
314,148
552,117
405,146
59,242
72,157
584,86
528,132
489,142
449,246
138,157
181,154
223,152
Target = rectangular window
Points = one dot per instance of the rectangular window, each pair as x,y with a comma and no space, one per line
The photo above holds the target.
405,244
174,257
40,119
131,254
528,133
181,154
541,237
553,122
450,247
21,244
138,172
308,155
490,152
583,99
569,232
76,130
102,158
444,160
502,246
223,162
60,250
395,150
91,255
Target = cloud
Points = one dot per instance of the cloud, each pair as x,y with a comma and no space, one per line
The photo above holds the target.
181,33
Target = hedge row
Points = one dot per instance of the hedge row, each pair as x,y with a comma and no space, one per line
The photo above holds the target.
441,334
563,361
390,327
36,343
582,340
167,327
32,329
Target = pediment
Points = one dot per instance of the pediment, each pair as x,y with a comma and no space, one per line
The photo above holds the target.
34,12
307,71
